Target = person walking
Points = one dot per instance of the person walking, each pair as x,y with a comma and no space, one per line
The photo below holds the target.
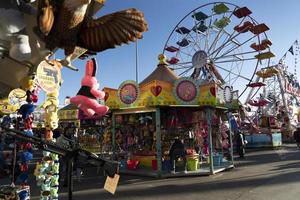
297,136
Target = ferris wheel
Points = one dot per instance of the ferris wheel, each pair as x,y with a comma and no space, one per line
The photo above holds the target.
221,42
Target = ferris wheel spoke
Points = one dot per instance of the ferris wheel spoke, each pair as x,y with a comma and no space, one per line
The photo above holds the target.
185,53
184,63
219,39
196,45
231,72
214,43
235,55
236,47
200,29
196,40
208,32
230,41
231,38
235,60
180,67
185,71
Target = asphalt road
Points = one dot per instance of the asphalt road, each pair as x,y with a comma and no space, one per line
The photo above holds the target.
262,175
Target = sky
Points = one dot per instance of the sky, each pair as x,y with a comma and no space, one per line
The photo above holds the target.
118,65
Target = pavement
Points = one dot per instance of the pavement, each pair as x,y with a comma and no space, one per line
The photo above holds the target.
265,174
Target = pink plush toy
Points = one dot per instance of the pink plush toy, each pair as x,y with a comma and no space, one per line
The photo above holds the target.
86,98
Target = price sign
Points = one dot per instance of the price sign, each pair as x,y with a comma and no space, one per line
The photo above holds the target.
111,183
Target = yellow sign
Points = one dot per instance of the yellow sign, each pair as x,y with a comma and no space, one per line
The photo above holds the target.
17,97
111,183
6,108
49,76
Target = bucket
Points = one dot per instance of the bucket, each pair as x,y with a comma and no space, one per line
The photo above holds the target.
132,164
192,164
154,165
217,160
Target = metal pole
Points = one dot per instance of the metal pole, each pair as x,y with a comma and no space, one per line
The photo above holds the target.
113,132
230,138
14,161
211,162
282,91
158,142
70,178
136,62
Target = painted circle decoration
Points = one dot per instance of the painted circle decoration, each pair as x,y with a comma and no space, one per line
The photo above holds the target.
17,97
186,91
128,92
228,94
49,76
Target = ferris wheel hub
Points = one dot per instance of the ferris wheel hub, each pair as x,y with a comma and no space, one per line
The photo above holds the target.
200,59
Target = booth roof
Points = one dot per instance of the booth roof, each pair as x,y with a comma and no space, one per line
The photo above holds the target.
69,107
161,73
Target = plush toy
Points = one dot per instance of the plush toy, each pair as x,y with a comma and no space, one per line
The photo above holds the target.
51,108
26,110
12,27
28,83
51,121
86,98
52,100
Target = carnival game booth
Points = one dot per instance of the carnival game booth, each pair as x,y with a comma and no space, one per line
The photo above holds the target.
147,117
91,131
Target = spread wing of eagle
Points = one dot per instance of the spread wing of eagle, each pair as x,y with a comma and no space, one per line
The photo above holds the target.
69,24
112,30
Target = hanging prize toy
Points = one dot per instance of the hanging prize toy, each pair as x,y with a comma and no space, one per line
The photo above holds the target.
88,95
25,153
47,172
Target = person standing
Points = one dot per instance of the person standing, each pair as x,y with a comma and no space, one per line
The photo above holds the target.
297,136
177,150
240,144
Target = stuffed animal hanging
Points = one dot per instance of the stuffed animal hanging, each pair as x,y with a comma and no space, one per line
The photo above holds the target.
86,98
51,108
13,27
27,109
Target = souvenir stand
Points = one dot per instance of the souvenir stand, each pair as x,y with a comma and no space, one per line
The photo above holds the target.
147,117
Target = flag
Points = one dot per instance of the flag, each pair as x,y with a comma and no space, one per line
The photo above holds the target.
291,50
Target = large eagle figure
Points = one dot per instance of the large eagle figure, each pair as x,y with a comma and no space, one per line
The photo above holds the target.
68,24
